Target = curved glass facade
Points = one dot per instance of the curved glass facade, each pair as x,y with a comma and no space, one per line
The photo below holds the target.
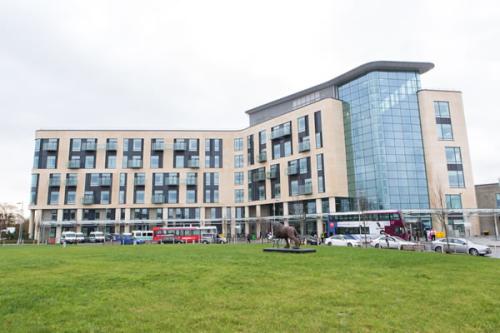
385,156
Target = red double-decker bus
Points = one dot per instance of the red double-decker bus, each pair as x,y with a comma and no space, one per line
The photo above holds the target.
182,234
372,223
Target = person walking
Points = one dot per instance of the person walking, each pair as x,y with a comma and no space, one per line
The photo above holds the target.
249,238
433,235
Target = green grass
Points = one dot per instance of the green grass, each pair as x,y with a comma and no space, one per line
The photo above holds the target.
238,288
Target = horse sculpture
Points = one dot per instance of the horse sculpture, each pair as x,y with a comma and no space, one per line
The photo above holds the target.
287,233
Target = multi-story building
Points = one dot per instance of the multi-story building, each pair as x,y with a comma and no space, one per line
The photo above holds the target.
488,197
370,133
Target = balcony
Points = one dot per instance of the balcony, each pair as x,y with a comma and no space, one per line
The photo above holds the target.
89,146
262,156
305,189
158,146
280,132
304,146
292,170
193,163
88,199
50,146
191,181
71,181
74,164
55,181
105,181
172,181
158,199
140,181
180,146
135,164
273,174
259,176
111,146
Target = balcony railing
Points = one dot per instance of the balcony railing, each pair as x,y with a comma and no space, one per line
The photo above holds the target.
89,146
140,181
291,171
191,181
88,199
280,132
54,181
304,146
111,146
193,163
158,146
305,189
172,181
135,164
158,199
74,164
105,181
259,176
273,174
180,146
71,181
262,156
50,146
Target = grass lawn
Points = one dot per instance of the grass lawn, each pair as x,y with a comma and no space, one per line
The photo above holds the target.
238,288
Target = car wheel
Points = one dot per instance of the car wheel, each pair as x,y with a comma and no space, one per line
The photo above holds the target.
473,252
377,246
349,245
329,244
438,249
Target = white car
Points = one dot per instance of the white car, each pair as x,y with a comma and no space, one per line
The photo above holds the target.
342,240
460,245
390,242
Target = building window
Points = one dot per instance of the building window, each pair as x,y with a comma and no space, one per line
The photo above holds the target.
453,201
238,161
54,198
179,161
443,120
238,144
172,196
239,195
137,145
139,197
301,124
238,178
71,197
155,161
190,196
51,162
89,162
122,196
104,197
455,167
294,187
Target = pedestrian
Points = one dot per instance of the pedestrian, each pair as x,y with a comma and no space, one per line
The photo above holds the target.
433,235
409,235
249,238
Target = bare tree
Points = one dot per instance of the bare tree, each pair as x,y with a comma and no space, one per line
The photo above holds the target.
441,214
10,215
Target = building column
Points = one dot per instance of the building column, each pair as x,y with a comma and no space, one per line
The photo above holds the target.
202,216
247,225
59,225
285,213
79,218
319,220
258,221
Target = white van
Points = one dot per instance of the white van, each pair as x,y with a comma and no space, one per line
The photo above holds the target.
145,235
68,237
96,237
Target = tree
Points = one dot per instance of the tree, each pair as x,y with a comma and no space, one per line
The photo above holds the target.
441,214
10,215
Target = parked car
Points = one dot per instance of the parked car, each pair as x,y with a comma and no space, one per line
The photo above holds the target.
68,237
342,240
213,239
390,242
80,237
311,240
170,239
96,237
460,245
129,239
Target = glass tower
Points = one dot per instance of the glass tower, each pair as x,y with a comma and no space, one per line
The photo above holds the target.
385,156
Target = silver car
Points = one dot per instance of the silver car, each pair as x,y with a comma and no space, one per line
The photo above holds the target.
460,245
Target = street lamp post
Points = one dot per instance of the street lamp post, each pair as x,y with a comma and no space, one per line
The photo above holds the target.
20,236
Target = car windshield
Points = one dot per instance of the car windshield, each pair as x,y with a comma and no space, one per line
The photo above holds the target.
350,237
399,239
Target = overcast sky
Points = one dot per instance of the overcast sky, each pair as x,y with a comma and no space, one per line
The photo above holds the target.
201,64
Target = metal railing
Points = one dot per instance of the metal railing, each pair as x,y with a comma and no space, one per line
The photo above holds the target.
111,146
180,146
304,146
89,146
158,199
158,146
135,164
50,146
88,199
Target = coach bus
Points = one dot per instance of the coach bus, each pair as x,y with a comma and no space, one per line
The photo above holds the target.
182,234
373,223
